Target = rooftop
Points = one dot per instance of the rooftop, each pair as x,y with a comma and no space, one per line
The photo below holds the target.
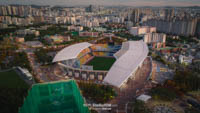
134,53
54,97
71,52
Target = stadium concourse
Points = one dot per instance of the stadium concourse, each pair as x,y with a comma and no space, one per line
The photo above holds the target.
128,58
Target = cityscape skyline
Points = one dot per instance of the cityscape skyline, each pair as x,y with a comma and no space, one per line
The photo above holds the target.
108,56
106,2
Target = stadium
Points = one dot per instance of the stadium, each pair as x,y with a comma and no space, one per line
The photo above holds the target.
110,64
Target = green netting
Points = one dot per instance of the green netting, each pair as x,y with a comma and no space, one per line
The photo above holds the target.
54,97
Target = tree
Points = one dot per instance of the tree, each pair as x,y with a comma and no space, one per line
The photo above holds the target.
10,58
96,92
29,37
139,107
187,80
162,93
42,56
191,110
21,59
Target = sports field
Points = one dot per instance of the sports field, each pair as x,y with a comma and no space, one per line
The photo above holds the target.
12,91
10,79
101,63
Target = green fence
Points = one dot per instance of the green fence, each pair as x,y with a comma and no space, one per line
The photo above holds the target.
54,97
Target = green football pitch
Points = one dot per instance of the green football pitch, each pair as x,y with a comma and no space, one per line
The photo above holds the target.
101,63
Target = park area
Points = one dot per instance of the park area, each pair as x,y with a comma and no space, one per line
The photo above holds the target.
12,86
101,63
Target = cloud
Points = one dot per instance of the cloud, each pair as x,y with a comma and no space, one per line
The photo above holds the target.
106,2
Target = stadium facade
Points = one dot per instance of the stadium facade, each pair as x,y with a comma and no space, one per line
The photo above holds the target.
129,57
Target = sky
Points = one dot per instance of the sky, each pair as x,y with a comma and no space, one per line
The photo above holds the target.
105,2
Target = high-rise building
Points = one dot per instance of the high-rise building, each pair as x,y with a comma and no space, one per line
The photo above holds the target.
169,14
142,30
198,29
135,17
14,10
157,40
9,9
21,11
3,10
38,19
93,8
176,27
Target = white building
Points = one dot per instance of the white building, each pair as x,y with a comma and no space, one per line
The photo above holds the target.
185,60
34,44
28,31
154,38
26,73
75,28
3,25
142,30
144,98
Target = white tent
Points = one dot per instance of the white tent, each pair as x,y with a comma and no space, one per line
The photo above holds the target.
144,98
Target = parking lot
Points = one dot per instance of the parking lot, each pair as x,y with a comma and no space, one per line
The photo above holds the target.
161,73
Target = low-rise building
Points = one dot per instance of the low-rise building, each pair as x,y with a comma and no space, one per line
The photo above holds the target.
2,25
19,39
89,34
100,29
55,39
26,73
144,97
185,59
75,28
34,44
28,32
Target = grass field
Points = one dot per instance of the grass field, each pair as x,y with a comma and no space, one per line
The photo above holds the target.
12,91
10,79
101,63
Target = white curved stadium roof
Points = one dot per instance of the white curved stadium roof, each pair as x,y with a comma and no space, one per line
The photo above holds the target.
71,52
131,55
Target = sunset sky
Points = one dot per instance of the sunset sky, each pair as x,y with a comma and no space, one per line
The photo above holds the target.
106,2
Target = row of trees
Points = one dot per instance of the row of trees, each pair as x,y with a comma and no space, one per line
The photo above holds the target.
55,29
97,93
140,107
185,81
128,36
42,56
182,39
10,58
18,59
12,99
7,31
163,93
191,110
